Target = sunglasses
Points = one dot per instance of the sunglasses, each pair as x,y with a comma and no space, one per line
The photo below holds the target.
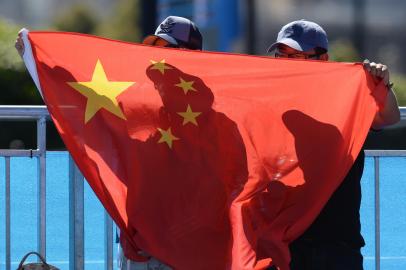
279,54
159,42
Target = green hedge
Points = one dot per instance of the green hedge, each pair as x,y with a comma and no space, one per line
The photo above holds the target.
17,88
400,88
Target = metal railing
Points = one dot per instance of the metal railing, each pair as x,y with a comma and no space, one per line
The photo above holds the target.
76,192
377,154
38,114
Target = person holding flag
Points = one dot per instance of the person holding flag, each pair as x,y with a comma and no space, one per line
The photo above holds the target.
172,32
333,241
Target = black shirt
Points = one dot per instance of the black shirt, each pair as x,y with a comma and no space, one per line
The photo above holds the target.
339,221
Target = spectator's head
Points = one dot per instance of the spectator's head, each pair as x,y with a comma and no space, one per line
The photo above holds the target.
301,39
176,32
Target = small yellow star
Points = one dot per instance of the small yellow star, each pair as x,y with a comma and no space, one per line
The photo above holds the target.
101,93
167,136
186,86
161,66
189,116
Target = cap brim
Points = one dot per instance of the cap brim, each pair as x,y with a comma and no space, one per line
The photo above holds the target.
291,43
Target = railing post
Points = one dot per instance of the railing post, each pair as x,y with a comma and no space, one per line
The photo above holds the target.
8,254
377,217
108,238
76,217
41,146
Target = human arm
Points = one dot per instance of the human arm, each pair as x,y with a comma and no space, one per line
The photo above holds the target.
389,113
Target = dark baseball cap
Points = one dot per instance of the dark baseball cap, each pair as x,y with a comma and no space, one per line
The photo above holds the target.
178,31
303,36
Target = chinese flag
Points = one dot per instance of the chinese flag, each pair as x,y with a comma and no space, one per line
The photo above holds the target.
205,160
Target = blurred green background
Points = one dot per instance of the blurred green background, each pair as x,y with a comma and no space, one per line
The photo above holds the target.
249,27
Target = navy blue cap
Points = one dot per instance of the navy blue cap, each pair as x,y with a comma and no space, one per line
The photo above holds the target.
302,36
179,31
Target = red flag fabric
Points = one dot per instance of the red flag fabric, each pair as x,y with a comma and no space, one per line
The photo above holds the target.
204,160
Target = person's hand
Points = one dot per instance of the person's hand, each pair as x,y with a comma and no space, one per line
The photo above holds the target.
19,44
377,70
388,113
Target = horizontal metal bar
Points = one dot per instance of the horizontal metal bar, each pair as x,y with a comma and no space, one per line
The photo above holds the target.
402,113
12,111
37,153
9,111
19,153
21,118
385,153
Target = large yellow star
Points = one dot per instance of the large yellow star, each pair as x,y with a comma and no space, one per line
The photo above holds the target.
186,86
161,66
189,116
101,93
167,136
